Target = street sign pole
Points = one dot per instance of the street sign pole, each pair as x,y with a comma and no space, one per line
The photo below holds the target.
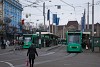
39,39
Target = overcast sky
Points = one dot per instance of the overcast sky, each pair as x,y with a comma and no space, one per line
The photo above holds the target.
66,12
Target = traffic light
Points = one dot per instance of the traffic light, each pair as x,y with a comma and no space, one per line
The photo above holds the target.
22,22
58,6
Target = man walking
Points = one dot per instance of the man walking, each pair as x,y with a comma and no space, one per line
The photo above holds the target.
31,54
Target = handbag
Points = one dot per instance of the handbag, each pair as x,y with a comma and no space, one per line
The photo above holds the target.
27,62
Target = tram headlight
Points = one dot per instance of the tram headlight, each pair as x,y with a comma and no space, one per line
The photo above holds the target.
77,46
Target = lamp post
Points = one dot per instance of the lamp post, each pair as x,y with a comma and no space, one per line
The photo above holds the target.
92,17
44,20
92,25
44,13
88,16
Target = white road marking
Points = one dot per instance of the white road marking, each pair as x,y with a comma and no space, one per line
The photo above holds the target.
11,65
46,61
47,54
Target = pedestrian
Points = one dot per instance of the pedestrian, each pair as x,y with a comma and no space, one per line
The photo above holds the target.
3,43
31,54
7,43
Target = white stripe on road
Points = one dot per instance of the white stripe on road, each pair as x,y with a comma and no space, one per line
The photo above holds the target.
11,65
41,62
47,54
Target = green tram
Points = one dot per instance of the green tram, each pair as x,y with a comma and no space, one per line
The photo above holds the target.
29,39
74,40
45,40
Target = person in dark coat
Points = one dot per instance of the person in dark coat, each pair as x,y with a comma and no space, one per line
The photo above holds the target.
31,54
3,43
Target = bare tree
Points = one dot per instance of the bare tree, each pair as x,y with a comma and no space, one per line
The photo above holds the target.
42,27
1,22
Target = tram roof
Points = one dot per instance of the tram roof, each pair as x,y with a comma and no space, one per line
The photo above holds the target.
47,33
88,32
44,33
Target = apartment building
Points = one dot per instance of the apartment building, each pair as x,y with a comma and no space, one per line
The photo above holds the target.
11,9
10,17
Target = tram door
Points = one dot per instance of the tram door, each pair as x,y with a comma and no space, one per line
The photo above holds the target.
86,41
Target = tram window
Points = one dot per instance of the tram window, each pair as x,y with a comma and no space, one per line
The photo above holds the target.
74,39
33,40
28,39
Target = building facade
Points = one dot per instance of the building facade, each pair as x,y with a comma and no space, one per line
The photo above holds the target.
73,25
60,30
10,17
11,9
96,29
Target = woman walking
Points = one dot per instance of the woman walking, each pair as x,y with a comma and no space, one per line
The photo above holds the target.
31,54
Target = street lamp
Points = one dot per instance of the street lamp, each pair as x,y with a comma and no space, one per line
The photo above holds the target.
92,17
44,13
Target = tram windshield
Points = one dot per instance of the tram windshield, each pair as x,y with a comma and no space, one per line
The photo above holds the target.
73,39
27,39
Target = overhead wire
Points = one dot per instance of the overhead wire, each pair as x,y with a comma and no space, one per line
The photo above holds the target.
33,4
36,5
70,6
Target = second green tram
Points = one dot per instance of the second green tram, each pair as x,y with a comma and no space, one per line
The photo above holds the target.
74,40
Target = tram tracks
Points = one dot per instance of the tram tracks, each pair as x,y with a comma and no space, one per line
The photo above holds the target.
56,49
68,55
62,49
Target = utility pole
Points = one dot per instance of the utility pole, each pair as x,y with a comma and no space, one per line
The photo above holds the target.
44,13
49,25
44,21
92,25
48,18
92,18
88,16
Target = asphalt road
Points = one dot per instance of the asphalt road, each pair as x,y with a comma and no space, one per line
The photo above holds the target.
57,57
